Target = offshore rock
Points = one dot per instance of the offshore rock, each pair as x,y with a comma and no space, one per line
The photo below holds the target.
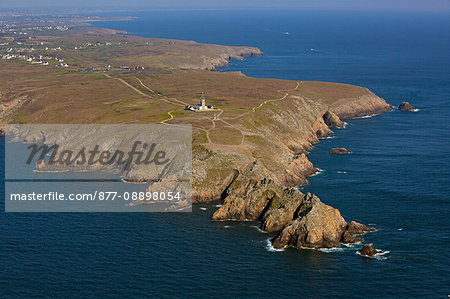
340,151
368,250
406,106
355,228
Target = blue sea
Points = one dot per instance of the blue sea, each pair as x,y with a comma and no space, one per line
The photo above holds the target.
397,179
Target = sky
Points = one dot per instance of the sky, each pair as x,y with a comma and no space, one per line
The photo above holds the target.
415,5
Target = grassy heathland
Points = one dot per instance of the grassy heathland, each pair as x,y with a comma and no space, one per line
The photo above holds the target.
269,120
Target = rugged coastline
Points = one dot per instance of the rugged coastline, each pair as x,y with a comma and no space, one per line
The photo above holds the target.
299,220
250,153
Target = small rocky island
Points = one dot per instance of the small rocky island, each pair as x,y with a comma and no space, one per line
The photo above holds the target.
406,106
368,250
340,151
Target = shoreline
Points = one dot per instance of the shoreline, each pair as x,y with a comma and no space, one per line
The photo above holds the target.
255,179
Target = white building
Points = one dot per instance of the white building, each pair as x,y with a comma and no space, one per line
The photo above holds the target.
201,106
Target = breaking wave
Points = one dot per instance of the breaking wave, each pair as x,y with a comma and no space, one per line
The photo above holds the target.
319,171
270,248
378,256
331,250
368,116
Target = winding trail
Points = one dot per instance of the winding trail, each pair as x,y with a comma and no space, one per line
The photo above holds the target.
171,117
267,101
244,133
213,119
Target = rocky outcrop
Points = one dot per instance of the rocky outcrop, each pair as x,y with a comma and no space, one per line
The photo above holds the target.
340,151
368,250
363,105
247,196
317,226
221,60
355,228
332,120
406,106
300,220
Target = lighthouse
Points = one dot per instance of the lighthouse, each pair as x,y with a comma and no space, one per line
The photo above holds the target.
203,102
201,106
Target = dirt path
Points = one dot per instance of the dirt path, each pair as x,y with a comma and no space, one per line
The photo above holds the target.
162,98
145,86
244,133
213,119
171,117
155,92
129,85
265,102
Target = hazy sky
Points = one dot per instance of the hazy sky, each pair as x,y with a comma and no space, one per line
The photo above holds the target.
433,5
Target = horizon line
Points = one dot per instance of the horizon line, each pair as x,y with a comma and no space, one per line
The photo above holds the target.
186,8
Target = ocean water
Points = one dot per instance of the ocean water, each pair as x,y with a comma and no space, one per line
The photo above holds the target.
397,179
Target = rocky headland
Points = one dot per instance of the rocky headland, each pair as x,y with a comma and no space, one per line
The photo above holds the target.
279,136
257,192
228,54
300,220
250,154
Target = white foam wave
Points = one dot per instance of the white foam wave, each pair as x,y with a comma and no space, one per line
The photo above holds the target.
349,245
400,229
260,230
227,226
378,256
331,250
416,110
270,248
319,171
202,208
218,206
342,171
368,116
345,124
309,248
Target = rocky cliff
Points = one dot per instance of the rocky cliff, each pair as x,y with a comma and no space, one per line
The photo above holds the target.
300,220
223,59
262,188
279,135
